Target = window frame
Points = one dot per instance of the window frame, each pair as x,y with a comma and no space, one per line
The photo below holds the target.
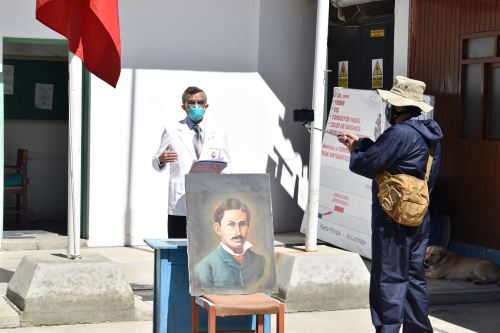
487,64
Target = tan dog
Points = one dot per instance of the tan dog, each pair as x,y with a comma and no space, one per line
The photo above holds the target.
444,264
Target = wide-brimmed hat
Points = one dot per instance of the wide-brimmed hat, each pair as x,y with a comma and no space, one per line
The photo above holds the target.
406,92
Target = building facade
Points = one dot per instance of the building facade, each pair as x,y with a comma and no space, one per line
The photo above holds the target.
455,50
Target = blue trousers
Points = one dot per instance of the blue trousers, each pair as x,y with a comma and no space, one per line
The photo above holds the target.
397,285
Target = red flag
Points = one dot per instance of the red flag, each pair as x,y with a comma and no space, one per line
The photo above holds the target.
92,28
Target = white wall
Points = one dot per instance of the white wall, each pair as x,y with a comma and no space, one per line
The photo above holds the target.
127,197
255,60
286,63
17,19
215,35
218,43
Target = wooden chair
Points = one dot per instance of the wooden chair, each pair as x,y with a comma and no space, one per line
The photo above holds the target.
16,182
237,305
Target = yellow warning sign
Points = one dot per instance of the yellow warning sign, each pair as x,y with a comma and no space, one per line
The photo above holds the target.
377,33
377,73
377,70
343,74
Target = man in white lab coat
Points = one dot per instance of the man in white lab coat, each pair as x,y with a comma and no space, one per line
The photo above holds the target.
183,143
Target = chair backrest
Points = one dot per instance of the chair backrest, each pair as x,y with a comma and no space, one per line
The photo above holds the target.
16,176
22,164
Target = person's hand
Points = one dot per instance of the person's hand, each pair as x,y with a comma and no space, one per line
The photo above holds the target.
349,140
168,155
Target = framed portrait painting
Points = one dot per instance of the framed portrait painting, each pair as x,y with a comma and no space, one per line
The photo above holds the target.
230,234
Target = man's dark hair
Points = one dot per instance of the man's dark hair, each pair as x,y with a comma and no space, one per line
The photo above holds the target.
191,91
229,204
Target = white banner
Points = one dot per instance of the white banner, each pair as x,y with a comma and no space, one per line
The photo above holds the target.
345,198
344,217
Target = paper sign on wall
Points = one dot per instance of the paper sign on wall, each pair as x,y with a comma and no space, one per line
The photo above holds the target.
377,73
44,94
8,79
343,74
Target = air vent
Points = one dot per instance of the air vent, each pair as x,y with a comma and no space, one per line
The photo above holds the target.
355,14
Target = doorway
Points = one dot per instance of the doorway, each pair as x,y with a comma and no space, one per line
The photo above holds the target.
361,47
36,119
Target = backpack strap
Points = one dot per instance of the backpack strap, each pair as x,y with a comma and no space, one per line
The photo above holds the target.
429,161
431,155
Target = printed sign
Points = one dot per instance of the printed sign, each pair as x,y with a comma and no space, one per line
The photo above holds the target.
377,73
344,217
343,74
44,95
377,33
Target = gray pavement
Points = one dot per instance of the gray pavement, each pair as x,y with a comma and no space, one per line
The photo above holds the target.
137,265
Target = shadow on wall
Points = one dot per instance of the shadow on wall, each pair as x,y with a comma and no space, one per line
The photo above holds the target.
5,275
286,185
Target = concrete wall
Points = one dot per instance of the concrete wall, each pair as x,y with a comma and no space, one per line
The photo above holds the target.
197,35
286,63
254,59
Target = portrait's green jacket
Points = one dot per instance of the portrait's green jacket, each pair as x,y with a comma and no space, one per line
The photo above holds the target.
219,270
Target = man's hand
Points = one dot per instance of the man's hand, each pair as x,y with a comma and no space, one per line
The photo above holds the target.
349,140
168,155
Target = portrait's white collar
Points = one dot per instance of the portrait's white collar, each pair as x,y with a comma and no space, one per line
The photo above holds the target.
246,246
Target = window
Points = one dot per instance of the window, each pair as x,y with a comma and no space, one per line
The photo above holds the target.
480,65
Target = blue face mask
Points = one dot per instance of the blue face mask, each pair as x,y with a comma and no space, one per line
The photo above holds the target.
196,112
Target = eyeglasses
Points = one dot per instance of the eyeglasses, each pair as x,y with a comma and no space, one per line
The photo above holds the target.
192,102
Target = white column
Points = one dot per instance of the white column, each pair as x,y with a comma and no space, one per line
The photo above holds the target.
74,154
318,104
401,36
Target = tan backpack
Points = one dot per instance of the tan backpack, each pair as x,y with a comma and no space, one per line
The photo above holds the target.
403,197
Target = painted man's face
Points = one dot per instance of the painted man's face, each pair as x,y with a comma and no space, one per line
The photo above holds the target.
233,229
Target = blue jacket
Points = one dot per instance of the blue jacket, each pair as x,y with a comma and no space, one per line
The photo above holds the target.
219,270
402,148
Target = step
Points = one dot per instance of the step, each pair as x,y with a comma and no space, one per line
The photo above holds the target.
21,240
9,315
457,292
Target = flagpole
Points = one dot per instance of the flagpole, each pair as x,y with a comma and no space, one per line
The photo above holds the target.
316,136
74,154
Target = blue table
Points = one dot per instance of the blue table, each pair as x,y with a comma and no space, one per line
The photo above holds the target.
172,301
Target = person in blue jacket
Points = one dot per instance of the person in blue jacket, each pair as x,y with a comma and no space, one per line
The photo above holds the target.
397,285
232,265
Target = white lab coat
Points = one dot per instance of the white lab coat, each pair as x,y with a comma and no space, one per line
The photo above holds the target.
180,138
